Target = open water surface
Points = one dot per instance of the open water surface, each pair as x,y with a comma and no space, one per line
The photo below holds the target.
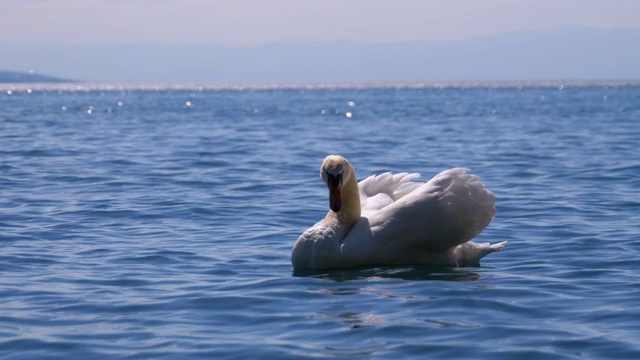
157,223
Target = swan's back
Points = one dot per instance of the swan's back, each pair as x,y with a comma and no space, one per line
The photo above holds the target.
448,210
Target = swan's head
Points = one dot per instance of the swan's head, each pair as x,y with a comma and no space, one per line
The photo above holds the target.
335,172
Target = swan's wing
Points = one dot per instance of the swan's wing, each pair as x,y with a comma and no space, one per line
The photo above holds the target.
448,210
378,191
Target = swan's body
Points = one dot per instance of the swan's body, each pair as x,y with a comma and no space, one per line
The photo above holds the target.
390,220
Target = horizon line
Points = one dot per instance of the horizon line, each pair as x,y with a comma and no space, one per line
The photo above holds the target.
314,85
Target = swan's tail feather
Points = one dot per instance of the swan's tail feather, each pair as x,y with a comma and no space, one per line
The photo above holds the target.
470,253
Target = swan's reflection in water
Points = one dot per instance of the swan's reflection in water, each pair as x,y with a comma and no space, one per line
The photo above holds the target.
383,303
354,320
415,273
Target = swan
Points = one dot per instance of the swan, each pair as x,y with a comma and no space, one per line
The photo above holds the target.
388,219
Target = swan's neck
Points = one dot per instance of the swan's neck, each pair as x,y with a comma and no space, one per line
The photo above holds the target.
350,213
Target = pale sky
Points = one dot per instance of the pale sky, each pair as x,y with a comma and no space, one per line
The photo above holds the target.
256,22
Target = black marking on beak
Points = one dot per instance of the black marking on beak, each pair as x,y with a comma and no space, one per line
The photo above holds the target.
334,183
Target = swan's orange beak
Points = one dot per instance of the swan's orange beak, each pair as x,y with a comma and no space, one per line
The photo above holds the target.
334,183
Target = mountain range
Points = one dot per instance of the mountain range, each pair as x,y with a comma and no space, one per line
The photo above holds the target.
28,77
561,53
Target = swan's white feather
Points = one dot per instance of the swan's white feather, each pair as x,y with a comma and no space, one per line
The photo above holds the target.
378,191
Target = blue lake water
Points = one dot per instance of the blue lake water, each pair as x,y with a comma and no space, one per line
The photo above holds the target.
158,223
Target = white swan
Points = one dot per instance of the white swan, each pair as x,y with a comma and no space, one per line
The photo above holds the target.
389,220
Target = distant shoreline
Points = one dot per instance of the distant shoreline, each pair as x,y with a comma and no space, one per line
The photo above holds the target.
19,77
160,86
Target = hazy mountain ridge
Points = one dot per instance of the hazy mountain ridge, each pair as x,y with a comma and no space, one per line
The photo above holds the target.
28,77
562,53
